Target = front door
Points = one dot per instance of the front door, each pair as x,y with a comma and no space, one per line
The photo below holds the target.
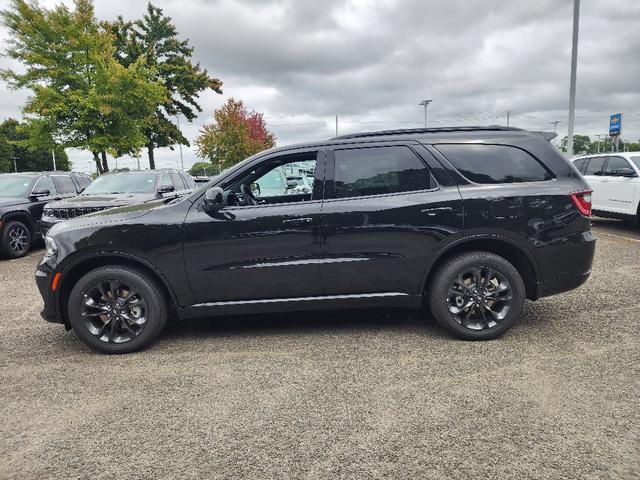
619,186
266,243
383,217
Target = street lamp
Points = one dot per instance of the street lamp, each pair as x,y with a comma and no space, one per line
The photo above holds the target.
425,104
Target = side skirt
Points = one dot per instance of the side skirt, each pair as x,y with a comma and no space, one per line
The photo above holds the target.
297,304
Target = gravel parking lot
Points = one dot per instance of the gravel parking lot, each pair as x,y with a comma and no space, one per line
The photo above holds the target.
333,395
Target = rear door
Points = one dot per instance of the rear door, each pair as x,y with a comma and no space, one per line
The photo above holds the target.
384,215
593,176
619,185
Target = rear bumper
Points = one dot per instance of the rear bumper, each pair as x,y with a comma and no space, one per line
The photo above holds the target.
565,266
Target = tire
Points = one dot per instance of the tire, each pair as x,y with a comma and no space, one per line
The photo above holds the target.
448,295
16,240
138,310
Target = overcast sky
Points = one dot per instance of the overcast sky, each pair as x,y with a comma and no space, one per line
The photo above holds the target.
372,61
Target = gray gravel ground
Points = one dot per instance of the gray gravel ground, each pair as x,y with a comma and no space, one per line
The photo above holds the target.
350,395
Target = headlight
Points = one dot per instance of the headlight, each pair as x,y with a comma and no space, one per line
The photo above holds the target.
52,248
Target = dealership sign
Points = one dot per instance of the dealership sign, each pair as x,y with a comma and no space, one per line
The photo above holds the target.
615,124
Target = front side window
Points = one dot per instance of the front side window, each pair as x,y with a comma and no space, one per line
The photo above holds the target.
178,183
65,184
122,183
379,170
580,163
617,165
636,160
46,183
14,186
491,164
595,165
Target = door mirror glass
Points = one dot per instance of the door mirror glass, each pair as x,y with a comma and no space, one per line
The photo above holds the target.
213,200
255,189
40,192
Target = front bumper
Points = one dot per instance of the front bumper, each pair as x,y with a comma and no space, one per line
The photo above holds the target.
46,223
44,277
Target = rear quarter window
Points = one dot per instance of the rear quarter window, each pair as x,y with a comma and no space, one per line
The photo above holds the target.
491,164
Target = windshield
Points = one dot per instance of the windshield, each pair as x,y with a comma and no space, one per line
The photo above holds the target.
122,183
636,160
14,186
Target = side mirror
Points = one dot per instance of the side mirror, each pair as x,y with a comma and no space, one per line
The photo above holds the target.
213,200
40,192
255,189
165,189
625,172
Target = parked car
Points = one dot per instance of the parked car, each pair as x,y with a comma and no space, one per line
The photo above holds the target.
615,180
467,221
117,190
22,198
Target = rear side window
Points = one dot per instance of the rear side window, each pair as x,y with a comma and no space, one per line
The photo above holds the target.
378,170
64,184
580,163
595,165
494,163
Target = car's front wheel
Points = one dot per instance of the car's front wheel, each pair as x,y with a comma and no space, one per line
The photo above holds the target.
476,295
117,309
16,239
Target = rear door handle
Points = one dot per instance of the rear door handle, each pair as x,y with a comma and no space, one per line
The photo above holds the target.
298,220
432,212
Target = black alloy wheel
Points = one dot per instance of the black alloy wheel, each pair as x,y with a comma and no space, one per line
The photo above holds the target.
16,240
476,295
117,309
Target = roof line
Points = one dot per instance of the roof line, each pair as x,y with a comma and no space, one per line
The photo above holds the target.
425,130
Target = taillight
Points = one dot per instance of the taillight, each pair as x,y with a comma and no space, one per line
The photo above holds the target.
582,201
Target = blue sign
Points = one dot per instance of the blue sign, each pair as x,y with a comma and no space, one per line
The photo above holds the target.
615,124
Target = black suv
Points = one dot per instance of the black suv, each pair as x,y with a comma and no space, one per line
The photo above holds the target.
116,190
467,221
22,198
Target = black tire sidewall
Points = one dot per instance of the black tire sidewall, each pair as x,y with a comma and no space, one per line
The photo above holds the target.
6,249
444,278
148,288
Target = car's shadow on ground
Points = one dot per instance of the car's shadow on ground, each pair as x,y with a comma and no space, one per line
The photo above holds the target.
308,322
616,227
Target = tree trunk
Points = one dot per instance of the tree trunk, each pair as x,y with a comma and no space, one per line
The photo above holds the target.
96,159
152,160
105,164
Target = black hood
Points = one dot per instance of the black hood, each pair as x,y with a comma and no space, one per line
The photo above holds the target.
103,201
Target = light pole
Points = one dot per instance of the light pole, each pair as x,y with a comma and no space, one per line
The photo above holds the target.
572,85
425,104
180,145
555,125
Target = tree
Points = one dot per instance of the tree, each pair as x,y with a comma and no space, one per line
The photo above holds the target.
203,168
155,39
235,135
581,144
82,97
17,144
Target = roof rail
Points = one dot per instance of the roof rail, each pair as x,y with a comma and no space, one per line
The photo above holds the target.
405,131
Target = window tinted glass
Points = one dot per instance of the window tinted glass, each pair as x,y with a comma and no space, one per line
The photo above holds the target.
379,170
580,163
15,186
65,184
189,181
636,160
47,184
165,179
616,163
594,166
291,178
122,183
84,182
494,163
177,181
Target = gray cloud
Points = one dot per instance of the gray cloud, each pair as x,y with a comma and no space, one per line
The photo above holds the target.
371,62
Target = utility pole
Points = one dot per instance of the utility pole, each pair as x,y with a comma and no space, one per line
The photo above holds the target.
555,125
336,125
179,146
508,115
53,154
425,104
572,85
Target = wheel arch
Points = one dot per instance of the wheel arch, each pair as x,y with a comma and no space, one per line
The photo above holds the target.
83,265
506,248
21,216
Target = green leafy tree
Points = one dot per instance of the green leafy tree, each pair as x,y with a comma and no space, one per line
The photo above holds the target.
203,168
581,144
17,143
235,135
155,39
82,97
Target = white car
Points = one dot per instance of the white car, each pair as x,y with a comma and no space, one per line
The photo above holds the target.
615,180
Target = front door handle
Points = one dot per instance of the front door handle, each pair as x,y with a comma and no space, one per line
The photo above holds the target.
298,220
432,212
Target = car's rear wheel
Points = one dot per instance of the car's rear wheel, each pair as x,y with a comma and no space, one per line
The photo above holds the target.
16,239
117,309
476,295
